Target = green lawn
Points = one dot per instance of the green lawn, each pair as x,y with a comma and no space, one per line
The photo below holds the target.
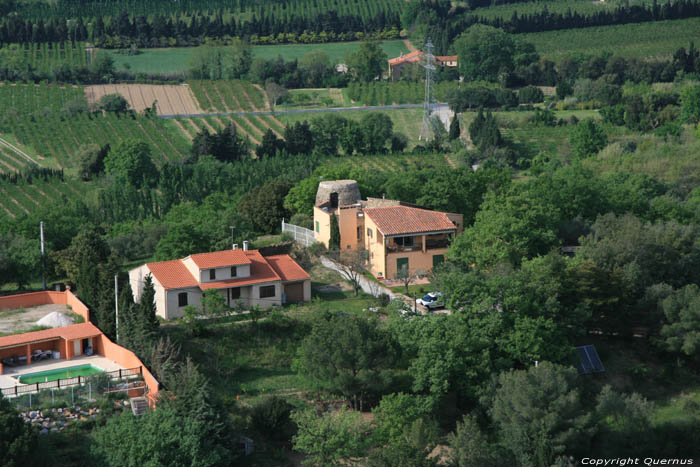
174,60
641,40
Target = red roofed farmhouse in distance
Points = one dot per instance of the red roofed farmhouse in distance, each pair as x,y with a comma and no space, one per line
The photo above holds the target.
241,276
400,65
396,235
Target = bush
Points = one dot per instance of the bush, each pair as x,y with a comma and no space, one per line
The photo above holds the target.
271,418
530,95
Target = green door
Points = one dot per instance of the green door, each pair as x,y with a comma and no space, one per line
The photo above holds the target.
438,259
401,263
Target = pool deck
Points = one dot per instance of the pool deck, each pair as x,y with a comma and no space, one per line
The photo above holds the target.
8,379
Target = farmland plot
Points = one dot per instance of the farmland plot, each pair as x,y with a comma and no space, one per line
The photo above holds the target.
171,99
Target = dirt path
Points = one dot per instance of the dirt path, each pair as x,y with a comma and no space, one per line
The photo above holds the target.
209,127
409,46
7,211
250,101
221,99
267,125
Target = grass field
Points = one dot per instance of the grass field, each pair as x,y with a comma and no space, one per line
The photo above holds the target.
643,40
175,60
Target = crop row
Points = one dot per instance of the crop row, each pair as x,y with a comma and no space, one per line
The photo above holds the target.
10,162
23,198
46,57
228,96
60,138
32,98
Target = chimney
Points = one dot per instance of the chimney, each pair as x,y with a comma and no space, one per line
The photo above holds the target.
235,246
245,245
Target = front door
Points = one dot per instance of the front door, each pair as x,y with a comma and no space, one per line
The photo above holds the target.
401,263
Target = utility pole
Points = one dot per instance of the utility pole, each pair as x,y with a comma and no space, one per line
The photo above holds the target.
116,304
43,256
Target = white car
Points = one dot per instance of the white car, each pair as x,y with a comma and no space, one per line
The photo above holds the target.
431,300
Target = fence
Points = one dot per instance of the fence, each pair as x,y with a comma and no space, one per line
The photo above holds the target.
67,382
301,235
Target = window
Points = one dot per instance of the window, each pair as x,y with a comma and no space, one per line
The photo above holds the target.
267,291
182,299
234,271
318,228
212,274
404,241
369,233
235,294
359,234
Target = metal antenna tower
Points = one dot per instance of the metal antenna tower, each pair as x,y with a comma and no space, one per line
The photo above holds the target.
426,130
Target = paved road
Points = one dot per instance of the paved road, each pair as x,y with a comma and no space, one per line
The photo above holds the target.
437,107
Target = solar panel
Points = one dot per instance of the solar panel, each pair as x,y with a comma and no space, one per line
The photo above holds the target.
589,361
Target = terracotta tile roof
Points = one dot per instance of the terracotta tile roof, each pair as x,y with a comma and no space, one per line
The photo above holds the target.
260,271
74,331
395,220
412,56
219,259
172,274
446,58
287,268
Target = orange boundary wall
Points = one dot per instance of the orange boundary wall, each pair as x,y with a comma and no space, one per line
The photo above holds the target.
102,344
46,298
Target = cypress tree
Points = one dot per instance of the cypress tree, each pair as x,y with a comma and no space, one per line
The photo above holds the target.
454,128
148,322
334,242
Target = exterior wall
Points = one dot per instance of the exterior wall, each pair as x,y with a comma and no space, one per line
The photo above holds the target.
136,278
126,358
44,298
191,267
255,300
242,270
322,226
171,309
417,260
375,249
307,290
457,220
348,222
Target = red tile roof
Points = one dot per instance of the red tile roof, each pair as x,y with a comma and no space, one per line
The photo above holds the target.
396,220
74,331
287,268
416,54
172,274
220,259
260,271
446,58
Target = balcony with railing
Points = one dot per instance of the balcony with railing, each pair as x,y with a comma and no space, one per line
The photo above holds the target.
411,244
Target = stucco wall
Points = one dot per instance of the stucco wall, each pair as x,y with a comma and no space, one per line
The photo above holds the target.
44,298
136,278
375,249
417,260
348,224
323,220
173,310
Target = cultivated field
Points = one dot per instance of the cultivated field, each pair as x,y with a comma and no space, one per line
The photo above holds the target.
171,99
176,60
642,40
23,198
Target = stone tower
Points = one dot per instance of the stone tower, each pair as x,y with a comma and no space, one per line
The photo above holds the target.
338,193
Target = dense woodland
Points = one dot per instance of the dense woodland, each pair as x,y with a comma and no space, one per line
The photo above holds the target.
579,184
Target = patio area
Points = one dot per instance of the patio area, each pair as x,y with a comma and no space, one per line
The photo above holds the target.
10,377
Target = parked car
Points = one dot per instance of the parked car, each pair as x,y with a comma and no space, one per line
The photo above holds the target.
431,300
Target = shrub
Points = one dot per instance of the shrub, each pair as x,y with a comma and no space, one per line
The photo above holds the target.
271,417
530,95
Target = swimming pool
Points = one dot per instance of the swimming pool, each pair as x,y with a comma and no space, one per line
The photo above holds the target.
60,373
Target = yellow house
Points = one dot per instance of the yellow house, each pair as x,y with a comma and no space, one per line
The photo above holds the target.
395,235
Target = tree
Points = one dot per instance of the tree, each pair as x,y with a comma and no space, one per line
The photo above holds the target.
271,145
484,132
540,413
396,412
352,264
484,53
377,129
454,128
275,92
470,447
334,241
147,320
214,304
682,311
240,56
411,450
181,240
90,160
299,139
102,67
20,259
271,418
159,437
406,278
348,355
587,139
330,439
367,63
690,104
115,103
18,440
131,161
263,206
316,65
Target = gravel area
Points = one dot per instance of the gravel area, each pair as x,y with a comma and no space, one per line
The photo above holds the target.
12,321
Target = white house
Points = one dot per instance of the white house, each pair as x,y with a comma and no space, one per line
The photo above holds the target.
239,275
